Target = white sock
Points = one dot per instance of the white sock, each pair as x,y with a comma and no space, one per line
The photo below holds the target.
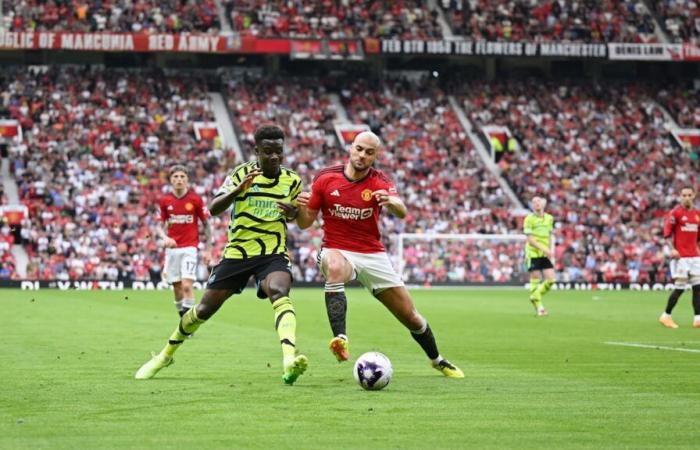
665,315
697,317
187,303
178,305
437,360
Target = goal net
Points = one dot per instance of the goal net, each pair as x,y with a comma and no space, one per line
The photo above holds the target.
461,259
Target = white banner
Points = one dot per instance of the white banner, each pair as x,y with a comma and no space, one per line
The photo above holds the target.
646,52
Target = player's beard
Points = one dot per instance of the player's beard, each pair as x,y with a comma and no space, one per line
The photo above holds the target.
359,166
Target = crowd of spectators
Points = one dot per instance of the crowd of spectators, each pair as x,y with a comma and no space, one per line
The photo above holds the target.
682,102
426,152
97,145
603,157
680,19
552,20
148,16
350,19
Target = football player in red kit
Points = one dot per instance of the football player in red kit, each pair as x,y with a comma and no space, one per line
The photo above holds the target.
180,211
350,198
681,226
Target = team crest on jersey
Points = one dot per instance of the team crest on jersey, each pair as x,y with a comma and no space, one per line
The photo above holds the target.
366,195
189,206
255,188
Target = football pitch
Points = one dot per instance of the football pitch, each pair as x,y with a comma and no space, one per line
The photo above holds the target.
600,372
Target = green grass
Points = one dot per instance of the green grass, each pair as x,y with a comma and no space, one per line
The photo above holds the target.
68,358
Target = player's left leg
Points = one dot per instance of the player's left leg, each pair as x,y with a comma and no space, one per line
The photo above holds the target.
543,288
399,302
276,286
696,305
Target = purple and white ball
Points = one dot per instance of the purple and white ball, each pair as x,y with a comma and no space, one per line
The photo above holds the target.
373,371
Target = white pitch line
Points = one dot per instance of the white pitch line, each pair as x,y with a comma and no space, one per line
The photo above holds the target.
656,347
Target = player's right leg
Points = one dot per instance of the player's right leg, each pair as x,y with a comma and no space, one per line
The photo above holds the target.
173,275
337,271
188,274
189,323
535,297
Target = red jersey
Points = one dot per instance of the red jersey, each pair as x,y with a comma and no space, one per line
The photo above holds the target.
683,225
181,215
350,211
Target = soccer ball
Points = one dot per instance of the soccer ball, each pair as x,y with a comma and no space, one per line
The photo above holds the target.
373,371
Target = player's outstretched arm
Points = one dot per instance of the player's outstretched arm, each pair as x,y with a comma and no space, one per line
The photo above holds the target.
305,216
221,202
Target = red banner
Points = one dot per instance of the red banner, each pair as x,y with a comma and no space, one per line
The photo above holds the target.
10,129
346,132
184,42
691,52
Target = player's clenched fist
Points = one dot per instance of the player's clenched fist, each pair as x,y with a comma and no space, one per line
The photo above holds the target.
303,199
382,197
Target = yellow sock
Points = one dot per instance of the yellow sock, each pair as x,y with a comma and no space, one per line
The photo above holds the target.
188,325
286,326
544,287
534,284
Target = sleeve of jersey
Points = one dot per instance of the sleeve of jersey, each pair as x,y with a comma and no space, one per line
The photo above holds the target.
316,200
527,226
669,223
232,180
202,211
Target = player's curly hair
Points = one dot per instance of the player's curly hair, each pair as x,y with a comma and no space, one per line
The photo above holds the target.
268,132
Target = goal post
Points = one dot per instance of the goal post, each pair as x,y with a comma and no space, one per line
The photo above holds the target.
461,259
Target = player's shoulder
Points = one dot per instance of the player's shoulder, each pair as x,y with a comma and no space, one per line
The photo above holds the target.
243,167
289,173
379,175
331,171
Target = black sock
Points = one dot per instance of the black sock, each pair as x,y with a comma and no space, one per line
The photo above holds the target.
696,299
182,311
673,299
427,341
337,308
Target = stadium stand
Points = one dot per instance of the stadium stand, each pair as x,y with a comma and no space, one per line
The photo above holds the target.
603,157
113,15
506,20
337,20
98,144
679,18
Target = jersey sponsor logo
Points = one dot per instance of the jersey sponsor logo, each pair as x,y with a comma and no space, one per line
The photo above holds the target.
181,218
350,213
335,193
189,206
691,227
366,195
264,208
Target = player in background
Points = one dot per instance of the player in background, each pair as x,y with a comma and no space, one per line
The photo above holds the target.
180,211
538,226
681,227
262,195
351,197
